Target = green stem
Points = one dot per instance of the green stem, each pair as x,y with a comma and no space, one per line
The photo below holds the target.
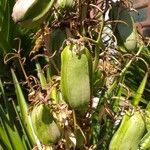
99,45
119,90
129,63
41,75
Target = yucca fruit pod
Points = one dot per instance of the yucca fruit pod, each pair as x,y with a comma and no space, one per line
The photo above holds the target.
44,126
132,127
147,119
147,116
123,27
129,132
31,13
145,141
76,75
65,4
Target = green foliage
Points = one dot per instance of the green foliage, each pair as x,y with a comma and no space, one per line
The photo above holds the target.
76,77
73,61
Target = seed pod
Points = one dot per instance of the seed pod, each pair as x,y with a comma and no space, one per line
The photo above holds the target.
65,4
147,120
31,13
76,69
145,142
129,133
124,30
44,126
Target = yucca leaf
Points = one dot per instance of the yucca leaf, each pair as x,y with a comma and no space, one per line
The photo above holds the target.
6,20
1,17
25,136
119,92
140,90
24,141
12,132
4,136
24,110
5,26
4,95
4,45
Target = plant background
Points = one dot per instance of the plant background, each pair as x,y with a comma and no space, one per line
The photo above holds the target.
17,48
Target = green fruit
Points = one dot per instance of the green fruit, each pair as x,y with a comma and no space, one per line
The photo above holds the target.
31,13
44,126
145,142
66,4
129,133
147,120
125,29
76,69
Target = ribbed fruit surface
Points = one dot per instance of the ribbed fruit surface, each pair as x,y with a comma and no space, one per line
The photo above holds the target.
44,126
